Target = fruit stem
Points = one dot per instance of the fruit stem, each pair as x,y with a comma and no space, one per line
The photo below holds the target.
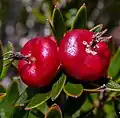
99,89
98,38
17,56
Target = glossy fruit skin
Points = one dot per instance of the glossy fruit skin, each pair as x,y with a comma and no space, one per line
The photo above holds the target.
41,70
77,61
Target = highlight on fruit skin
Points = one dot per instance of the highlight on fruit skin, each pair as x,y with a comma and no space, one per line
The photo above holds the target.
42,61
85,55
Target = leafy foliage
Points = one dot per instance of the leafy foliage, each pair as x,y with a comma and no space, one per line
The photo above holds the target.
80,19
64,98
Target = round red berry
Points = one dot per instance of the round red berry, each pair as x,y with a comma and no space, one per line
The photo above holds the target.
84,55
41,63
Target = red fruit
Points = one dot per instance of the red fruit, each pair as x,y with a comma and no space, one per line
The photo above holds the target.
82,56
42,63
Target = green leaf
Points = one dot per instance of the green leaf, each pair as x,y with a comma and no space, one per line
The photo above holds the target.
8,48
25,96
1,57
109,110
2,89
19,112
93,97
99,113
97,28
80,19
73,90
73,104
7,105
58,24
54,112
113,86
114,66
57,87
37,100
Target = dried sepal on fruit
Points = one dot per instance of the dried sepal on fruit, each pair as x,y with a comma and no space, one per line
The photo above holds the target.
84,54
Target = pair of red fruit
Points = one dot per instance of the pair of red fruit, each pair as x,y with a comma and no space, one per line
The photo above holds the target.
83,55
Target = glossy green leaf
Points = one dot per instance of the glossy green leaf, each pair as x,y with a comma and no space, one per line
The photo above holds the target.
41,18
25,96
38,111
38,99
43,108
8,48
54,112
97,28
73,90
57,87
58,24
1,57
80,19
113,86
114,67
109,110
7,105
